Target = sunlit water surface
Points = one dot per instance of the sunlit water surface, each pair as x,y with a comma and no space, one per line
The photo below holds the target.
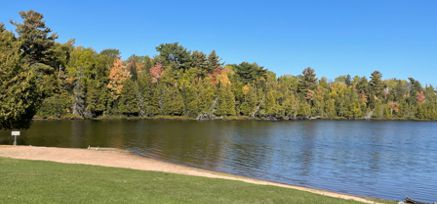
389,160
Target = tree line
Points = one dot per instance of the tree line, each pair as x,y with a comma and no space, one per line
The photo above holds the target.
60,80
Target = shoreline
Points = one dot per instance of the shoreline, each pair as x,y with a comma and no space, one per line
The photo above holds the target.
227,118
112,157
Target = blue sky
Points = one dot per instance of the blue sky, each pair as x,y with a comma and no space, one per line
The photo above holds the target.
335,37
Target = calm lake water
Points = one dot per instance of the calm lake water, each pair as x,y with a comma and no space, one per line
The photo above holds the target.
389,160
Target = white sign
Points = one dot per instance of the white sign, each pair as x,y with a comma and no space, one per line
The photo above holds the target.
15,133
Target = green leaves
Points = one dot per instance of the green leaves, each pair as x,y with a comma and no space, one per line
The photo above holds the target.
249,72
20,98
26,71
128,103
66,80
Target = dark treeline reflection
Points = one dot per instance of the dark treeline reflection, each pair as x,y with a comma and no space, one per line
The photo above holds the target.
381,159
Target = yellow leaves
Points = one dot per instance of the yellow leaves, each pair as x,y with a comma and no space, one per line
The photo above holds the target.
221,75
246,89
363,98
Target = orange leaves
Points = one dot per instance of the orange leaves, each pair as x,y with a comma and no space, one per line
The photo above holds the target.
363,98
393,106
309,95
220,75
117,76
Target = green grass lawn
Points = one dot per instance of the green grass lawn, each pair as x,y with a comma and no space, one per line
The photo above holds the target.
23,181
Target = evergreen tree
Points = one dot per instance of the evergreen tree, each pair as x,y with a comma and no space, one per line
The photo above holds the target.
269,107
249,72
81,68
199,61
247,107
213,62
174,55
96,98
56,106
133,69
128,103
376,88
205,97
54,80
36,42
225,101
23,74
307,81
172,102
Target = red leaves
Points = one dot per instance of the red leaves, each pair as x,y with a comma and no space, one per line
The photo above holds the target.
420,97
156,72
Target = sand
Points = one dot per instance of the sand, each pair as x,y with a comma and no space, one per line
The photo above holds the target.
111,157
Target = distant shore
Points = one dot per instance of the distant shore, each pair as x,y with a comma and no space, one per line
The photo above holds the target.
111,157
226,118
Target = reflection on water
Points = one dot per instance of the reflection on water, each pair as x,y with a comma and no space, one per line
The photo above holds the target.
388,160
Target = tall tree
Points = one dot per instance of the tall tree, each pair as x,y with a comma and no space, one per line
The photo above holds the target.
225,101
25,70
174,55
97,98
81,68
128,103
249,72
307,82
376,87
117,76
36,40
172,102
213,61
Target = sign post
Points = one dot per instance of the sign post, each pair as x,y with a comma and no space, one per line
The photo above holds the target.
15,134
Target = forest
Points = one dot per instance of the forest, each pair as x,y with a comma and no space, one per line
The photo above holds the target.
51,80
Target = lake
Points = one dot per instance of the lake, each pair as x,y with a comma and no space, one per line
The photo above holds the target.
383,159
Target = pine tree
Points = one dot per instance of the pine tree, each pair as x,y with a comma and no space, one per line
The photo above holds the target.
249,103
128,103
56,106
172,102
307,81
151,96
192,104
36,42
225,101
376,88
174,55
132,68
199,61
270,108
249,72
96,98
23,78
81,68
213,62
205,96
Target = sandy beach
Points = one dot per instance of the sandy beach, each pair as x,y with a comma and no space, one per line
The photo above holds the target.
110,157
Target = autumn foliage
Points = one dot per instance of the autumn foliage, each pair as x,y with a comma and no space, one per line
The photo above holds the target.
156,72
117,76
221,76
